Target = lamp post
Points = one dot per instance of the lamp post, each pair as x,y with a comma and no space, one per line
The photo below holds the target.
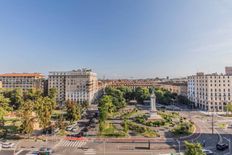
178,145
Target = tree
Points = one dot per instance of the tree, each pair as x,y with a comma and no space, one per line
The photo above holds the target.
52,92
33,94
4,108
193,149
141,94
106,103
118,99
105,107
125,126
15,96
43,108
27,116
61,122
85,105
228,107
127,92
73,111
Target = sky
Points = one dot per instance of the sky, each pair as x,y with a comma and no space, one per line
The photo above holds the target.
116,38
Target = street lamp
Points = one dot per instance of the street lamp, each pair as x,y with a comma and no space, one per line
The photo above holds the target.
178,145
229,143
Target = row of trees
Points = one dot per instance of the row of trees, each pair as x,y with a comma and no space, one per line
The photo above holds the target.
31,106
122,94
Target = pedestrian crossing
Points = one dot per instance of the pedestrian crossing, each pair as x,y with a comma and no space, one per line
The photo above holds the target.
68,143
90,152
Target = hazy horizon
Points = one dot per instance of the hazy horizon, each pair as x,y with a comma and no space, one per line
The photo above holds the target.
116,39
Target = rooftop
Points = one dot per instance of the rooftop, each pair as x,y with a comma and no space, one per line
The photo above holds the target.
22,75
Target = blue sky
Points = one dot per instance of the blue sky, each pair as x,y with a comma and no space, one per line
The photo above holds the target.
116,38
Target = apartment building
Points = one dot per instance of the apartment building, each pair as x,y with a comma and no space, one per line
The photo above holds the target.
24,81
76,85
210,92
178,88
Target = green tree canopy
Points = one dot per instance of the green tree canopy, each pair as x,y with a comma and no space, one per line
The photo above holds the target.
27,116
228,107
193,149
73,111
43,108
4,106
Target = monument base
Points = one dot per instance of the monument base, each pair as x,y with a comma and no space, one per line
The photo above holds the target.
154,116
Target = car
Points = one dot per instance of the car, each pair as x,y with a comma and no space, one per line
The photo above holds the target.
56,130
45,150
208,152
33,153
75,135
75,129
222,146
7,145
85,130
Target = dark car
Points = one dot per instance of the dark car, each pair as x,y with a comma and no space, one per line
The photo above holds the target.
222,146
75,135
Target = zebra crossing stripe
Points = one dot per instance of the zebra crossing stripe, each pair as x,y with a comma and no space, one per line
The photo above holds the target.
75,143
67,143
80,144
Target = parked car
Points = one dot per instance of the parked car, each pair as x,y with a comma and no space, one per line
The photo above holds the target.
45,150
222,146
69,128
33,153
7,145
208,152
56,130
75,129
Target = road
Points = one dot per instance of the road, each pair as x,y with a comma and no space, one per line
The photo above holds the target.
206,136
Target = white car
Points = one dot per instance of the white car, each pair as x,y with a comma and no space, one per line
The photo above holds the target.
7,145
208,152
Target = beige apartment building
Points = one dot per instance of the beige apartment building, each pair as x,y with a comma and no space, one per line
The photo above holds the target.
178,88
24,81
210,92
76,85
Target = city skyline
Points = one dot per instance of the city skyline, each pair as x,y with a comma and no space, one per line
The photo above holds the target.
123,39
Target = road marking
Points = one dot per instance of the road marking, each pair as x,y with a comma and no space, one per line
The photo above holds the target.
67,143
19,152
90,152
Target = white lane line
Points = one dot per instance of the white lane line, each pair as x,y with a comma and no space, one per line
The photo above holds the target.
90,152
19,152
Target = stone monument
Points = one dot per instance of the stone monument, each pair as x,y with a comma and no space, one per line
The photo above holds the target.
153,110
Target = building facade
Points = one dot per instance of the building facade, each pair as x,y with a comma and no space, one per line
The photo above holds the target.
23,81
77,85
210,92
228,70
178,88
